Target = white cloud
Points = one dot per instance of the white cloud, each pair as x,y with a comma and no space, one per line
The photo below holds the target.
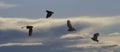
53,33
48,23
6,5
19,44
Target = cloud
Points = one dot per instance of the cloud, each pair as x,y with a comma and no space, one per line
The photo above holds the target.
55,37
49,23
19,44
108,43
7,5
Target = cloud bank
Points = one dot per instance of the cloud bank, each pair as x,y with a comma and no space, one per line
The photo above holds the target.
52,34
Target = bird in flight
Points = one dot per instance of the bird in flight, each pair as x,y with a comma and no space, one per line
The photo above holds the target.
70,28
95,37
49,13
30,30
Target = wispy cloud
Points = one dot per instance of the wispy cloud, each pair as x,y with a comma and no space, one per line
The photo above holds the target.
19,44
7,5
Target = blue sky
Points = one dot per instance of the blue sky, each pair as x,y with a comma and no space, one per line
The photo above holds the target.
62,8
51,35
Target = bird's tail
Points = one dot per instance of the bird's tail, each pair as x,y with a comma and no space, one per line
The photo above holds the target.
71,29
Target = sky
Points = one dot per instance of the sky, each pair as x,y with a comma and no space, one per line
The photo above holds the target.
61,8
51,35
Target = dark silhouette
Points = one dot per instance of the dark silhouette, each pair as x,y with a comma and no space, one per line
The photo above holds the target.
49,13
95,37
70,28
30,30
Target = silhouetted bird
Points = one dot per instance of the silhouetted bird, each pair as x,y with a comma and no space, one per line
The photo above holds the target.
95,37
49,13
70,28
30,30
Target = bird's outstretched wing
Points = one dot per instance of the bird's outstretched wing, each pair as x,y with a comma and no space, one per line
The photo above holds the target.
69,24
49,13
70,28
96,35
